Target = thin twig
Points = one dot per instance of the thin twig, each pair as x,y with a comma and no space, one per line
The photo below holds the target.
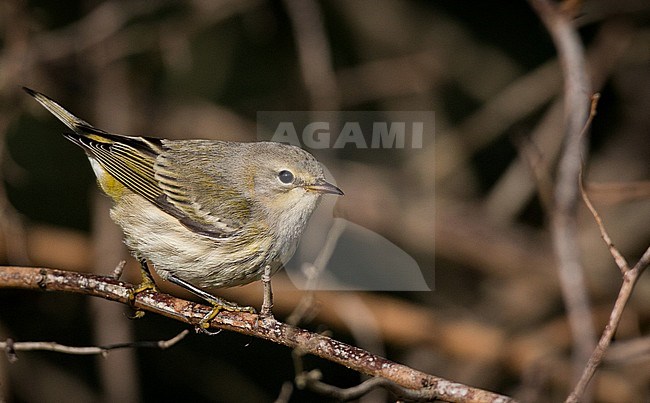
311,380
119,269
511,193
249,324
629,280
285,392
314,271
11,347
630,277
616,254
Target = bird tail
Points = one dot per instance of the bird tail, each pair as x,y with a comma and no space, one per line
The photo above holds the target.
88,136
70,120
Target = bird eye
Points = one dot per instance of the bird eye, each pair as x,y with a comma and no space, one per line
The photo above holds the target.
285,176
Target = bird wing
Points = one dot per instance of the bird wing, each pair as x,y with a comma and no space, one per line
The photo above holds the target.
188,174
144,166
133,162
128,159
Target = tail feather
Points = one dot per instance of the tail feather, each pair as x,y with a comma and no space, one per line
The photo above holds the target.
125,162
57,110
87,136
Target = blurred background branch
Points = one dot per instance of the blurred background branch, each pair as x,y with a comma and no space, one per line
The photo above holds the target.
558,20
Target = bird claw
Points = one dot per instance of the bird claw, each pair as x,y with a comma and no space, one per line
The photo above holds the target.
146,285
219,305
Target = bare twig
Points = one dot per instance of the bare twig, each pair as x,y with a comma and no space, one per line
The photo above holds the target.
314,271
285,393
429,386
119,269
630,276
563,222
312,380
629,280
616,254
511,193
11,347
618,257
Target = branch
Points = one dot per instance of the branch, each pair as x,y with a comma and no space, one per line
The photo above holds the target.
630,277
558,22
629,281
11,347
427,386
312,381
616,254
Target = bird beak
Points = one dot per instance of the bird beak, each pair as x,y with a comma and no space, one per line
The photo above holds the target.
324,187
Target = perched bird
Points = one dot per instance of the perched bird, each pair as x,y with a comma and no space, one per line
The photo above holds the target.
207,214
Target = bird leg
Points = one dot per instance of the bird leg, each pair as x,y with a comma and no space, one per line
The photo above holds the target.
218,304
147,283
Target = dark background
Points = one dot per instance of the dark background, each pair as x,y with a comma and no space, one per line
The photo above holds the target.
203,69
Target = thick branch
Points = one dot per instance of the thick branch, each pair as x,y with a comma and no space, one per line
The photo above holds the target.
428,386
